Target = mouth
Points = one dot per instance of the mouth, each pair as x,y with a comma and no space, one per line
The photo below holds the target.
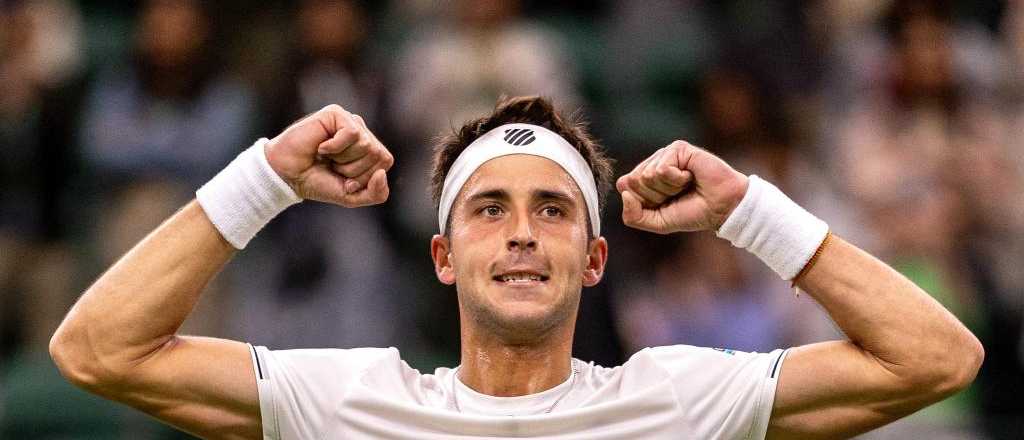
520,278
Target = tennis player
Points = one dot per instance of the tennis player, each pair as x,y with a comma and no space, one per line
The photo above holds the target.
519,196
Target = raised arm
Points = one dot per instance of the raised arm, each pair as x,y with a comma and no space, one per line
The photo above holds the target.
119,340
904,352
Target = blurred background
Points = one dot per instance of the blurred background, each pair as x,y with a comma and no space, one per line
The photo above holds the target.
895,121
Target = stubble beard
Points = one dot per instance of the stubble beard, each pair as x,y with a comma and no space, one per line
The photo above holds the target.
519,331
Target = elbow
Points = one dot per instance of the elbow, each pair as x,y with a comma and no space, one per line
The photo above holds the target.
75,360
956,370
64,357
968,364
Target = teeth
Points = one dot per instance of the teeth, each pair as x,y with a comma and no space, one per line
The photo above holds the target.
519,277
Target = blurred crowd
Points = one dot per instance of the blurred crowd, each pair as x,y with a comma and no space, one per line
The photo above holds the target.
893,120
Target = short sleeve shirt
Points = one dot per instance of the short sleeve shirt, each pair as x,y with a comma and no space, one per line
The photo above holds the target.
672,392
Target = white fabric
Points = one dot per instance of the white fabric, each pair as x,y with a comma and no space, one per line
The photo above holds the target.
774,228
245,196
546,143
468,401
659,393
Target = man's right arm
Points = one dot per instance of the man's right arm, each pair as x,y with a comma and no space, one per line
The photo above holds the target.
120,339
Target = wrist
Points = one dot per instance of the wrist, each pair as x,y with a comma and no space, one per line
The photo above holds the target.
245,196
734,197
774,228
279,164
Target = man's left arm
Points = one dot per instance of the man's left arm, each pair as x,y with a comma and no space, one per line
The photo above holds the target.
904,352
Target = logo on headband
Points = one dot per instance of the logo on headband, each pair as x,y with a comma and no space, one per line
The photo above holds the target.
519,136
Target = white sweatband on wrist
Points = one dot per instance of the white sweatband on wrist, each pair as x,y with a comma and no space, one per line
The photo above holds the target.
245,196
520,139
774,228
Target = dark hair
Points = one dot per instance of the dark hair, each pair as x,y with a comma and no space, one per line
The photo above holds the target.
534,110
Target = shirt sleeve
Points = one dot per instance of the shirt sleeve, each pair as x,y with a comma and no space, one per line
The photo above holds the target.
724,394
299,390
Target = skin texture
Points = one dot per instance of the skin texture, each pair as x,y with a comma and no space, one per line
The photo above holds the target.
517,340
120,339
905,351
516,213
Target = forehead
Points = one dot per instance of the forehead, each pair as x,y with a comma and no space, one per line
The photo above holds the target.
520,173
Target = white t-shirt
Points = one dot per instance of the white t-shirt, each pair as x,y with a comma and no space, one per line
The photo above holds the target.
677,392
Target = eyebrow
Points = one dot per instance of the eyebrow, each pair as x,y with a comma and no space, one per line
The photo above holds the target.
541,194
498,194
545,194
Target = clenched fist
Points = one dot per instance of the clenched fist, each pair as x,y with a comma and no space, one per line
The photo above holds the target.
331,156
680,188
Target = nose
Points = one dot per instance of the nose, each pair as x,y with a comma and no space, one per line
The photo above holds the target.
521,238
521,243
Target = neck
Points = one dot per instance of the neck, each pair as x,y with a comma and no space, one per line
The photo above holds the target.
496,368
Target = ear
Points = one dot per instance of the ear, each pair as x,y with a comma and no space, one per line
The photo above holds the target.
597,257
440,252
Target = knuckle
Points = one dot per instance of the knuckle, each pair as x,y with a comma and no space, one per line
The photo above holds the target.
350,134
635,182
679,144
333,108
359,136
627,181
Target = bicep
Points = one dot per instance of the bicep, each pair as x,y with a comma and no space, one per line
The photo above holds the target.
837,390
204,386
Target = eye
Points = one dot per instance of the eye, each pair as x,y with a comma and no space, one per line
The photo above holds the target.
492,211
552,211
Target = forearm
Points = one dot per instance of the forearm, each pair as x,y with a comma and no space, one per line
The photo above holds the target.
881,311
141,301
889,317
905,350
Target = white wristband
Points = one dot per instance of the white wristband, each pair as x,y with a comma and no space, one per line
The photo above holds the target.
774,228
245,196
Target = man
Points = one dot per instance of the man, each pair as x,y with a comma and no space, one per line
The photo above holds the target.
518,194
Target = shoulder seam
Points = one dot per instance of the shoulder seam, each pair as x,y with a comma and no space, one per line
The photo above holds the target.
761,394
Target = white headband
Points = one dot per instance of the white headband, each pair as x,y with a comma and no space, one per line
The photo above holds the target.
520,139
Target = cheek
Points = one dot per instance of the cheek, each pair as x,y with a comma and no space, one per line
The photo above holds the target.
566,230
570,257
472,253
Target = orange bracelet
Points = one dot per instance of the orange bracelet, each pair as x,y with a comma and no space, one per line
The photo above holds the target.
814,259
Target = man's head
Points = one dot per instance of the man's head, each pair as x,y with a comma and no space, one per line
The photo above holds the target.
517,242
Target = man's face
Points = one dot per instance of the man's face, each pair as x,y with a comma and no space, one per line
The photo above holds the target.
518,248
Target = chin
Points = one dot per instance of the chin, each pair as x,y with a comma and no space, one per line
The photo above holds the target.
522,322
520,315
523,330
528,317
